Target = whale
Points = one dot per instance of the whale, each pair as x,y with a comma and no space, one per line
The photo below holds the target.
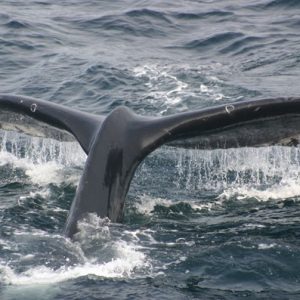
118,142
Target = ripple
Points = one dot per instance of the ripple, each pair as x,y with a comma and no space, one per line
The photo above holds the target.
15,43
246,42
127,23
148,13
211,41
282,4
15,24
202,15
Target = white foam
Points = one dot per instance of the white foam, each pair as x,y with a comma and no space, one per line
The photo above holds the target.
284,190
146,204
264,246
211,92
49,172
204,88
164,87
124,265
125,258
42,159
44,193
262,173
167,90
41,174
91,228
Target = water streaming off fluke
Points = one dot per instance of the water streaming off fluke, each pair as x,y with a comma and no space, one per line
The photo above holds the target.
262,172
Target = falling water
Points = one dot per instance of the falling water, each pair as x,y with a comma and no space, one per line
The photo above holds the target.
263,173
41,150
219,169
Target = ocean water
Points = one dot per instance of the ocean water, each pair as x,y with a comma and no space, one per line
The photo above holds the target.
199,224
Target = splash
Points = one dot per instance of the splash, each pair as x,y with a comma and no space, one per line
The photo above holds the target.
119,258
41,150
123,265
43,160
241,167
146,204
263,173
285,190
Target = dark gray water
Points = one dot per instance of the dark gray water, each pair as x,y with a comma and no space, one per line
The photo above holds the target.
221,224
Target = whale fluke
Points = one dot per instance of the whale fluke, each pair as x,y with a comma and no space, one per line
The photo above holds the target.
117,143
83,126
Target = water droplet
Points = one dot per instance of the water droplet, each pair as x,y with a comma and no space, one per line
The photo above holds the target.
33,107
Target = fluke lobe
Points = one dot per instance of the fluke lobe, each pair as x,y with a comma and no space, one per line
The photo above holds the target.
117,143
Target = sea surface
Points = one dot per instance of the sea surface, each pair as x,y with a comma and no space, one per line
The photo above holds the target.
198,224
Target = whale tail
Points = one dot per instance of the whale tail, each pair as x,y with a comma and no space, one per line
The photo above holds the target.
117,143
23,114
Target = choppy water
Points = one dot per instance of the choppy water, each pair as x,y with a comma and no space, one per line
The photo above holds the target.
198,224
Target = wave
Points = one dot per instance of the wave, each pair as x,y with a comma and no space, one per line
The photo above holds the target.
23,45
128,23
279,4
148,13
15,24
245,42
213,40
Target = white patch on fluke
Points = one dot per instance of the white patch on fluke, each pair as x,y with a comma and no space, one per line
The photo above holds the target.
33,107
229,108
